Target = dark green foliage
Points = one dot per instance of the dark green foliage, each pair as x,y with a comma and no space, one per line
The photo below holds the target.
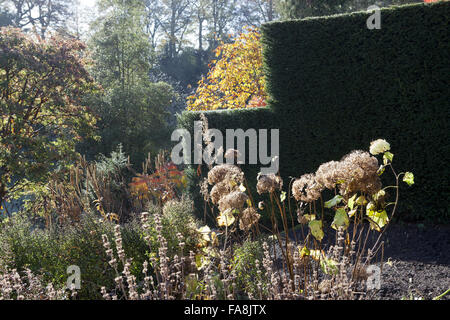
390,83
186,67
136,118
336,86
42,112
114,172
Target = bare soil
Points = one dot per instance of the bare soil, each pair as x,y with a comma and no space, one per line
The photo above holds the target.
416,262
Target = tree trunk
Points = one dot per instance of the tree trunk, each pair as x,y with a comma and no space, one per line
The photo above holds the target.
200,34
3,193
172,30
270,11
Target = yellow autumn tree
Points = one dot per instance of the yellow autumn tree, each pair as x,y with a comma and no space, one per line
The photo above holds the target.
235,78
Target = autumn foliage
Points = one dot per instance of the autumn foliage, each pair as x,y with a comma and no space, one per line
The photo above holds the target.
161,185
235,79
42,112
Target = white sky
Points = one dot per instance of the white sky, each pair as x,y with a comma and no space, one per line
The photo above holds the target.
87,3
86,13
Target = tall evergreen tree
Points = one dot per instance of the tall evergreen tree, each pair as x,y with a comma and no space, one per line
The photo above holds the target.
132,108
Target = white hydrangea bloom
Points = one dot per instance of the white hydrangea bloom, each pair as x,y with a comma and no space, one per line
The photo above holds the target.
379,146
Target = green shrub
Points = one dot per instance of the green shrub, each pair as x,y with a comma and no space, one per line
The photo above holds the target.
248,279
177,217
335,86
50,251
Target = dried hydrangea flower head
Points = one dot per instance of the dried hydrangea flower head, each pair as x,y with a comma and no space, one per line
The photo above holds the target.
306,188
229,171
233,200
249,217
219,190
329,173
379,146
268,183
226,178
360,173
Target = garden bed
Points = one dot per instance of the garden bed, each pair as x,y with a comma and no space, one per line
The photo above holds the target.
416,262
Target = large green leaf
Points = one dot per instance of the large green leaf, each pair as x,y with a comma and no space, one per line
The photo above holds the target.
351,201
331,203
378,218
316,229
340,219
387,157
